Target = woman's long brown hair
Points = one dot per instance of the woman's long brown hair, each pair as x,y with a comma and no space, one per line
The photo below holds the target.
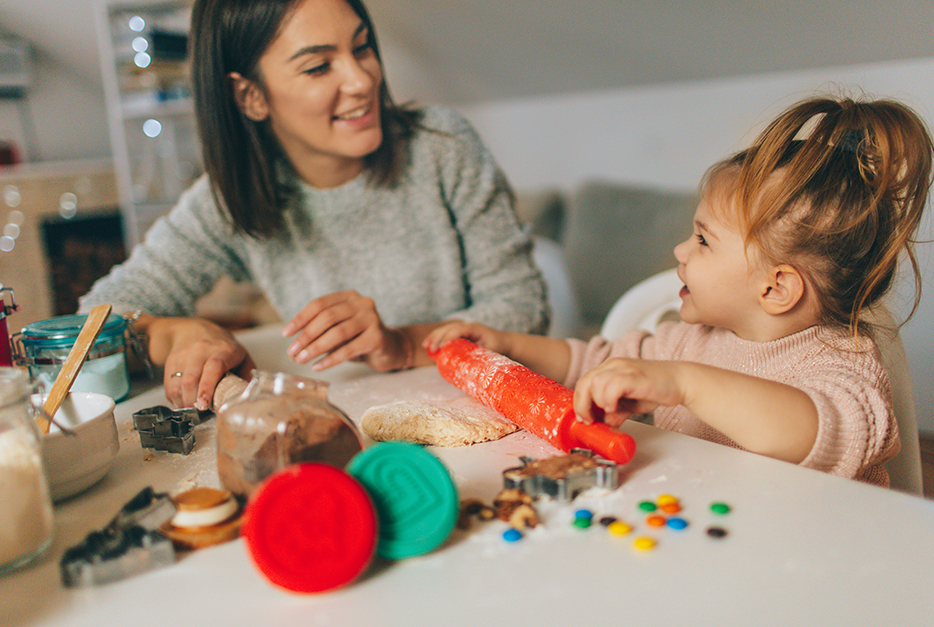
242,157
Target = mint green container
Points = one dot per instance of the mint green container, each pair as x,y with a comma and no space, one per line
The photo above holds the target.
43,347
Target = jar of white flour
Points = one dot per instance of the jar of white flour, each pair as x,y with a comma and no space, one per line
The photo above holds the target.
26,512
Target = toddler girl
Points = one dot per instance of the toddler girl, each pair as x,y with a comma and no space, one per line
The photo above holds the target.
795,239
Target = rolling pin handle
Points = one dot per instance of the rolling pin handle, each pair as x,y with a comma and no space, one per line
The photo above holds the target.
604,440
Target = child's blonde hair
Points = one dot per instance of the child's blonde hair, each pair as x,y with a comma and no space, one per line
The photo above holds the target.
836,188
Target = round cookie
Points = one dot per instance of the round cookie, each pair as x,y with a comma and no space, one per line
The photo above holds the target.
204,517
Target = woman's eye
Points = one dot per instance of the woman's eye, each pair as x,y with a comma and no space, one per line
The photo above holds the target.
363,50
318,69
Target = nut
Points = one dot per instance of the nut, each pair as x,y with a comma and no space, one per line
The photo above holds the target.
524,516
473,507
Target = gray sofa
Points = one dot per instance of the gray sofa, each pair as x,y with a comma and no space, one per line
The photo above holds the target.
610,235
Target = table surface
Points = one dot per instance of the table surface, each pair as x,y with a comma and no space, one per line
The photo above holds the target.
803,547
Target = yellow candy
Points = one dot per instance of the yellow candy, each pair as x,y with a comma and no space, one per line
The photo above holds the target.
644,543
666,499
618,528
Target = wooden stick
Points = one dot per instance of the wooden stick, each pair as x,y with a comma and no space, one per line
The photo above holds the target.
76,356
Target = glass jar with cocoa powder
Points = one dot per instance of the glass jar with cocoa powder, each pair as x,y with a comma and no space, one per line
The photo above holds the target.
277,421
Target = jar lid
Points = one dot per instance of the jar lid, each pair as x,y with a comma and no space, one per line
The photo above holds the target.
310,528
64,329
414,495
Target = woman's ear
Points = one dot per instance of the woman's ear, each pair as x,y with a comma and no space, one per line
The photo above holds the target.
782,289
249,97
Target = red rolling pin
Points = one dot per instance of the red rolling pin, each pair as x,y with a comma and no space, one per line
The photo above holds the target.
535,403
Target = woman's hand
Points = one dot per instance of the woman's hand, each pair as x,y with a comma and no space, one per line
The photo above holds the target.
496,341
619,388
200,350
345,325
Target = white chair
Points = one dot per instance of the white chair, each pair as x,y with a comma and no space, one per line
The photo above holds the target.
644,305
566,317
905,468
656,299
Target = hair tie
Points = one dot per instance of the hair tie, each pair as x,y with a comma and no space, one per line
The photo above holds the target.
851,140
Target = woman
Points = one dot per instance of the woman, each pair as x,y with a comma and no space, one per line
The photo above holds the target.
366,224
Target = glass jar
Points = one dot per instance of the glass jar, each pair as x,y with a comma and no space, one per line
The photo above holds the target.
26,514
43,347
277,421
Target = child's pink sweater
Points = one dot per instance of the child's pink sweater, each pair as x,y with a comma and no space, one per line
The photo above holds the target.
844,377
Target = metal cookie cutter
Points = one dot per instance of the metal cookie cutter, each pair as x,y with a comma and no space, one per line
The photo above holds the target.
167,429
129,544
562,477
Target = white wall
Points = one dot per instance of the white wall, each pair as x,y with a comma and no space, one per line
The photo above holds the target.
667,135
63,116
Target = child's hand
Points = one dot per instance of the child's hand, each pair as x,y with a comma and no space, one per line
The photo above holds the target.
474,331
619,388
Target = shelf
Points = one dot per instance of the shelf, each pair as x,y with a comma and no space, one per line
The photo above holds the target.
149,106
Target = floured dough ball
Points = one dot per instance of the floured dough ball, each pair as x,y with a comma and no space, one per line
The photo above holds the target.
441,423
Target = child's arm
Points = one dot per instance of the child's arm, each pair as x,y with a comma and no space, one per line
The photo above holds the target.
762,416
548,356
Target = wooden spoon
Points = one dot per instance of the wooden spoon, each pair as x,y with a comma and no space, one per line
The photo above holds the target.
79,352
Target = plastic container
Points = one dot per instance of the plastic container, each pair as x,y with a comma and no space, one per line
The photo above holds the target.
26,515
280,420
43,347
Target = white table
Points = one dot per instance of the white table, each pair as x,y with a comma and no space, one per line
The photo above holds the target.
804,548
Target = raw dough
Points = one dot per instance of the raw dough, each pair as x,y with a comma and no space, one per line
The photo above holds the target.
441,423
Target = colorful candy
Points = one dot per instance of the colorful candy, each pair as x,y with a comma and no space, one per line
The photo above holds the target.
512,535
643,543
720,508
618,528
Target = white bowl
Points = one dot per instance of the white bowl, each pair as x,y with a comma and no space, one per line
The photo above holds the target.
77,460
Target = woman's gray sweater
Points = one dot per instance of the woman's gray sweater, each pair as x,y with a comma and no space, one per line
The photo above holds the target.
443,243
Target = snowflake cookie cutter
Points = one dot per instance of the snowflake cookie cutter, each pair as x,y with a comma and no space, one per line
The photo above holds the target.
167,429
562,477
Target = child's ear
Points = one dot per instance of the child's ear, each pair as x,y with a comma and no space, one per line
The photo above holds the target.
782,289
249,97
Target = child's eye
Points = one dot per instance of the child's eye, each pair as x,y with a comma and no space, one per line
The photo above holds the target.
700,239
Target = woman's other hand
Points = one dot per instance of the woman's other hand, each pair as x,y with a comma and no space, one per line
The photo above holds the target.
344,326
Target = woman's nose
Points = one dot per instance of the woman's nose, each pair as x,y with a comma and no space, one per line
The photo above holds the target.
356,78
